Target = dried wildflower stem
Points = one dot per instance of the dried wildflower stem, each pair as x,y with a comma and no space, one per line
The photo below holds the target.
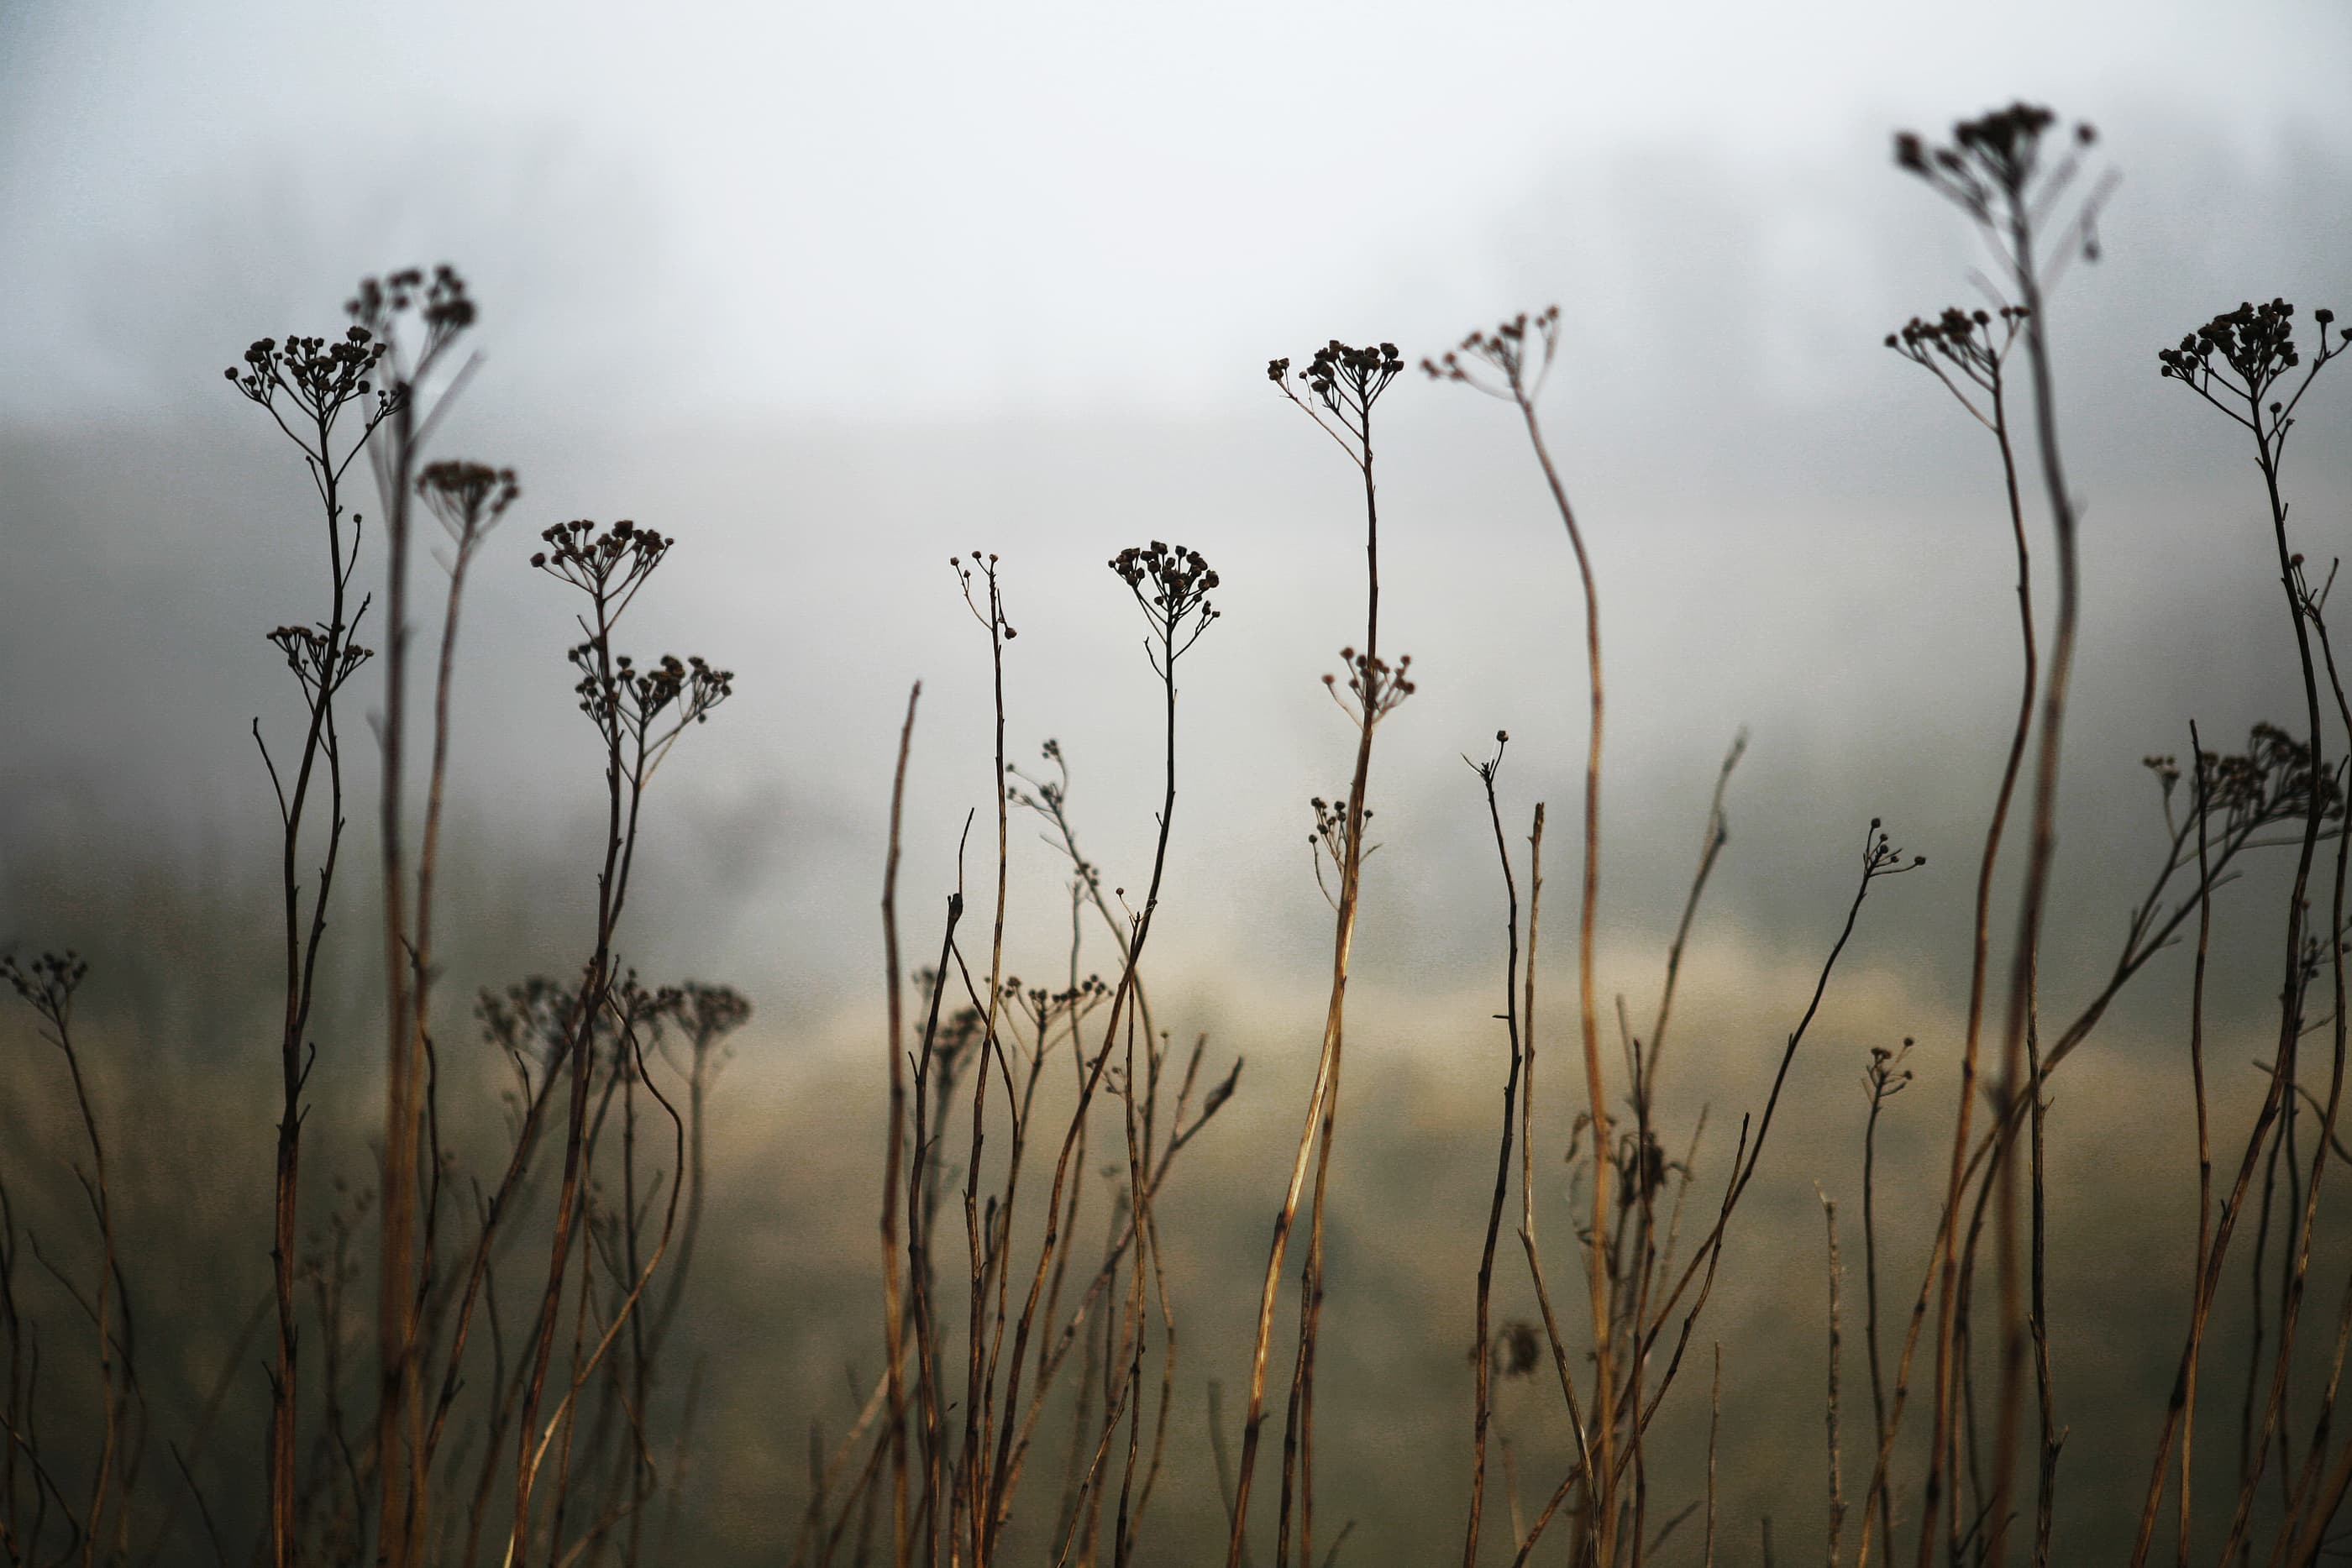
1171,588
1837,1474
1121,1235
893,1307
1484,1410
2187,1387
2265,790
15,1413
1965,343
1880,858
1528,1243
1711,840
2269,428
2043,850
1507,364
320,382
972,1484
919,1267
1647,1166
1604,1511
1344,383
1885,1081
594,987
49,986
443,311
624,1312
1714,1427
1995,171
396,1518
629,708
2301,1488
2256,352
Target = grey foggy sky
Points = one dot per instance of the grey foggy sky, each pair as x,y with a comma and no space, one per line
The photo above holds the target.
831,292
1005,206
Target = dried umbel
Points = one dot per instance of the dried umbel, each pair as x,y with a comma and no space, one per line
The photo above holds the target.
1342,384
530,1020
48,984
1971,344
712,1013
1171,585
2243,362
318,658
610,563
1329,840
1998,154
439,300
1377,686
320,377
638,699
1517,1349
2270,782
1509,362
1887,1077
468,497
1881,857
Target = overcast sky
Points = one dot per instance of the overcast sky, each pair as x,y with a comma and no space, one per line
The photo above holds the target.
1008,205
831,291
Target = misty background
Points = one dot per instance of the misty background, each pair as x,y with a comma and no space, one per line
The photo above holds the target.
831,293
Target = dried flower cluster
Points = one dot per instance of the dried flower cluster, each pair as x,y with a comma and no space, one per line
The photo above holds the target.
321,377
2270,782
610,563
638,698
439,300
468,497
1880,857
1519,352
2247,356
1377,686
1171,585
1996,154
994,616
1885,1076
1329,839
48,984
1973,343
1343,383
318,657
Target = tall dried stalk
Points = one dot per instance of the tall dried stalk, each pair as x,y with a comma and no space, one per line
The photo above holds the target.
1344,383
2256,350
48,985
1996,172
1510,364
1482,1351
639,716
893,1308
308,386
442,310
1837,1469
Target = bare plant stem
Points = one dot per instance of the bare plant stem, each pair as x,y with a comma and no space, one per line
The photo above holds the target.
893,1310
1604,1505
2266,448
1980,944
1322,1109
1837,1474
1483,1351
398,1435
